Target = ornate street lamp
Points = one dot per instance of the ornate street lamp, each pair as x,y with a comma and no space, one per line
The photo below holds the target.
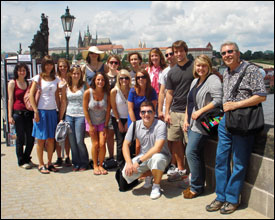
67,23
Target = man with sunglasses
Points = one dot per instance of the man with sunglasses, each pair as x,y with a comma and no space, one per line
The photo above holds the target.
154,154
179,80
251,92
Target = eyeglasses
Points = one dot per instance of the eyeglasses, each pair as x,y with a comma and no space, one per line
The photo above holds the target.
113,62
150,112
171,54
141,77
229,52
122,78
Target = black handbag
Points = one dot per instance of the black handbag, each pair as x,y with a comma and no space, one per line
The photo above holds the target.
244,121
209,120
123,186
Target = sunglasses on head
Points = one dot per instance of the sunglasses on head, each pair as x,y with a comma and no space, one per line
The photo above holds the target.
122,78
229,52
141,77
148,112
171,54
113,62
75,65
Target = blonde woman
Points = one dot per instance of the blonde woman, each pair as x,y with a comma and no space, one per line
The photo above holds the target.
119,97
206,89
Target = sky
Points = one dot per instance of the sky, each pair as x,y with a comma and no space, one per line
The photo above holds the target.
159,23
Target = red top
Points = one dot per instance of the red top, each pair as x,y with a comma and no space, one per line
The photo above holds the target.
18,103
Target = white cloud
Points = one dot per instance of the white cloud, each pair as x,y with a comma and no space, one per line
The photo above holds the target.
250,24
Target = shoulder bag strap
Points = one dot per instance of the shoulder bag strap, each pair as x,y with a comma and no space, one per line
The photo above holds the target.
234,90
134,130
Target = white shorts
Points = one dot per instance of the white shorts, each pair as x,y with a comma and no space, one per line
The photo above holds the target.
158,161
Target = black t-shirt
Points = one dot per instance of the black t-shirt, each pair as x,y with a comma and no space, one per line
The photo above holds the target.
112,81
179,80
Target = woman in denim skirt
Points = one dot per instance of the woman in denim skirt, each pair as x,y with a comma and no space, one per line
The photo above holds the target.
45,114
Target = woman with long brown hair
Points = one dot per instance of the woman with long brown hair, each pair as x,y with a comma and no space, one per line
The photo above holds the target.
143,91
45,114
96,107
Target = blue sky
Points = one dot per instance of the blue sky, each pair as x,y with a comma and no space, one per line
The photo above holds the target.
158,24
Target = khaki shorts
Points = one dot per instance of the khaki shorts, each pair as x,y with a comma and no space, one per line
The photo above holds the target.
175,131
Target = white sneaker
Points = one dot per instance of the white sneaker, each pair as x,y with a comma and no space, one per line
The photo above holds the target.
26,166
172,169
177,176
148,182
156,192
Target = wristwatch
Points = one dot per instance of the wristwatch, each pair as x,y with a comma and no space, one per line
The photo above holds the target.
117,120
139,161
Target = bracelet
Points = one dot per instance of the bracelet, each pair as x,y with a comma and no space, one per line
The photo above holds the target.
117,120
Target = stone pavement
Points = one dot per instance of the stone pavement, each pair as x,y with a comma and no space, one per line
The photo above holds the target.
28,194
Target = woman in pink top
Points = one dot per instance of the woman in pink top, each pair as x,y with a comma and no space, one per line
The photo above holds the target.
156,65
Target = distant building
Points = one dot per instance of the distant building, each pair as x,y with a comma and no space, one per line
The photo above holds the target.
208,50
88,41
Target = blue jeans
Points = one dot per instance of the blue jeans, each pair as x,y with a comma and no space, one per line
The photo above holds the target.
195,159
229,185
80,156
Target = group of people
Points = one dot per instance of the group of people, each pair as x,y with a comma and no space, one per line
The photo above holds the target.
155,105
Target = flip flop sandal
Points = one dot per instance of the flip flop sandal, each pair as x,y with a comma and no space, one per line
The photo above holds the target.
97,172
103,171
43,170
52,168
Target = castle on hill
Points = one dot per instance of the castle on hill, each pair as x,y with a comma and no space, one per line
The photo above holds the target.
88,40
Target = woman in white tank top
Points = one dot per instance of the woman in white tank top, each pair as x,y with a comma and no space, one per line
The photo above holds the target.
119,97
96,107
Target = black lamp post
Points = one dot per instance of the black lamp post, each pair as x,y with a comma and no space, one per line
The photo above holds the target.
67,23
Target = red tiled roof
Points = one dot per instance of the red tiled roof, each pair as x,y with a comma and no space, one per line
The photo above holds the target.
164,48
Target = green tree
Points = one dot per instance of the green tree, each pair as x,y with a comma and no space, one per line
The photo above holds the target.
247,55
79,56
258,55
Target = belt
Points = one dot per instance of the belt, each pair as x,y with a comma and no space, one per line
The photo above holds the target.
22,112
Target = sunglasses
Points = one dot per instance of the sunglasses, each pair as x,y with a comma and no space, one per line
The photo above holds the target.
229,52
150,112
141,77
113,62
171,54
75,66
122,78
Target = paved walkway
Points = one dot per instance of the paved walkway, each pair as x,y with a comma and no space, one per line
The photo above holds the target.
29,194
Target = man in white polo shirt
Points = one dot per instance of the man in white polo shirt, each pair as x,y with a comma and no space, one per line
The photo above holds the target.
154,154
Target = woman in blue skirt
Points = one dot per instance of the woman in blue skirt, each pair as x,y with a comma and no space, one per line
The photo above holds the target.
45,114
